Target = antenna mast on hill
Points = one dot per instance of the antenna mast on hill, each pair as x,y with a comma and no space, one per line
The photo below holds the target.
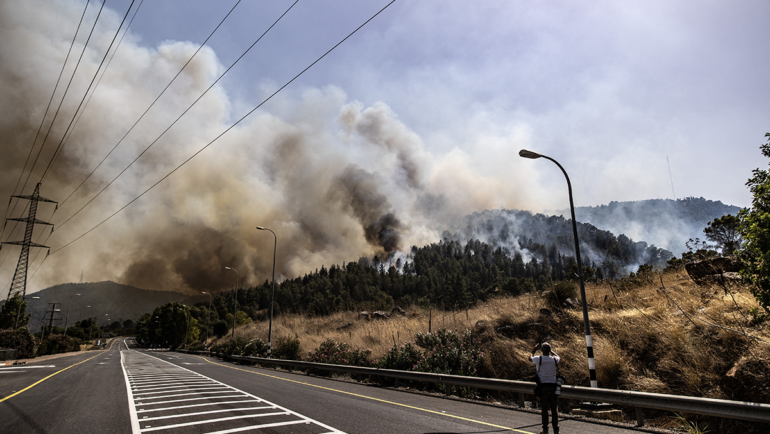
19,282
670,177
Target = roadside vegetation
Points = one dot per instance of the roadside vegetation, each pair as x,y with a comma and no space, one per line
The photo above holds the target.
653,332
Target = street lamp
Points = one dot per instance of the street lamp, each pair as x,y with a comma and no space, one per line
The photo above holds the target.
272,295
235,299
67,317
208,321
589,343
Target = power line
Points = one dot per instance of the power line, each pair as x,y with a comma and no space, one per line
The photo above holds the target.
64,96
80,115
225,131
152,104
8,210
82,99
145,112
61,142
109,62
177,119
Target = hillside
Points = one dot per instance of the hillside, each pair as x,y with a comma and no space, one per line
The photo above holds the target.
535,235
665,223
119,302
680,339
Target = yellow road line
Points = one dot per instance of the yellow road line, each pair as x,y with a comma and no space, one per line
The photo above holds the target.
55,373
370,398
35,384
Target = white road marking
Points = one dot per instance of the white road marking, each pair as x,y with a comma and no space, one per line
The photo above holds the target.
193,399
132,409
201,422
141,410
22,367
151,387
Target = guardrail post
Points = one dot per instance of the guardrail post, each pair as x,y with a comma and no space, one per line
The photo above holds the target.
522,404
397,382
639,417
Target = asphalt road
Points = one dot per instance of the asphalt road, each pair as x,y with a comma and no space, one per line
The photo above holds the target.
132,391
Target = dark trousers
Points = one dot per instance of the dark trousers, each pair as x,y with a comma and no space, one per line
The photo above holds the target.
548,399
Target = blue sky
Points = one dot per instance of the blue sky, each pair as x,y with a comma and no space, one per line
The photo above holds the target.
427,107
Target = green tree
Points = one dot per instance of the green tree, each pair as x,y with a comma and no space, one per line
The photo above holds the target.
241,318
755,229
724,231
12,309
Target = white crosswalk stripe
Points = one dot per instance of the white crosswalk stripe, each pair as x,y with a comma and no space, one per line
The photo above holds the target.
164,397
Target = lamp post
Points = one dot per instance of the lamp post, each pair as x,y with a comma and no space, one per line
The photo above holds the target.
67,317
208,321
187,332
18,311
235,299
272,294
589,343
30,315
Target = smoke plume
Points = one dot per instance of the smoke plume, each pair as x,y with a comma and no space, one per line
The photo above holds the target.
334,179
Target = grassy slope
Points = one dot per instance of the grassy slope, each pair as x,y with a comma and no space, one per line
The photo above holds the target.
642,340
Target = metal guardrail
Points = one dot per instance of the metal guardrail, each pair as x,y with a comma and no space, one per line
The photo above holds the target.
742,410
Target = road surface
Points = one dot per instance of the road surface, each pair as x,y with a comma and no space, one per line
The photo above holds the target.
128,390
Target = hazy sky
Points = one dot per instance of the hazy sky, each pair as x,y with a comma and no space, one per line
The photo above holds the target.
610,89
420,116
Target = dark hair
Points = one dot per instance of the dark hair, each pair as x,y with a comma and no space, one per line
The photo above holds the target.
546,347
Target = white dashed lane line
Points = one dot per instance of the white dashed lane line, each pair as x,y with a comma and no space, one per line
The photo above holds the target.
12,369
167,397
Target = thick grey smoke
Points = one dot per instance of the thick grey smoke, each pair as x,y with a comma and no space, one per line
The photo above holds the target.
356,188
334,179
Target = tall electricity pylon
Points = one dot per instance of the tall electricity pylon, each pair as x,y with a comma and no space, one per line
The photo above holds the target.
19,283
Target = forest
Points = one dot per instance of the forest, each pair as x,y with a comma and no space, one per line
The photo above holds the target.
447,275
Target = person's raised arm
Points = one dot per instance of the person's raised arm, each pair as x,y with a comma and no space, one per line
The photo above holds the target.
533,352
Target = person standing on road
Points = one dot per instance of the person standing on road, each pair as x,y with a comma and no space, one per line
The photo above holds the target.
547,369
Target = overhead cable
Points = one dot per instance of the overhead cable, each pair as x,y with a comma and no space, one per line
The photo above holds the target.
176,120
66,90
152,104
98,82
61,142
225,131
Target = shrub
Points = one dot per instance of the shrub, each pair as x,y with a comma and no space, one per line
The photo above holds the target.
447,353
561,291
287,349
255,348
340,354
196,346
57,344
403,358
21,340
231,347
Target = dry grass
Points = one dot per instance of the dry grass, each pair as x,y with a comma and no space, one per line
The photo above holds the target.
642,339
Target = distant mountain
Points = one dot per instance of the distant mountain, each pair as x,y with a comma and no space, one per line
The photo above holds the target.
107,300
666,223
